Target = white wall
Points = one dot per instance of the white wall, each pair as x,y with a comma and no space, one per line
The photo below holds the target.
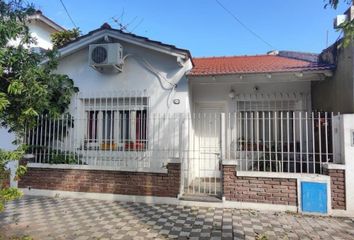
41,33
220,92
6,139
135,77
347,127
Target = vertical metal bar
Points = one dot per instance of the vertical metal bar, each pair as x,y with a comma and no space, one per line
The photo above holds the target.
199,122
53,137
300,130
112,142
70,136
332,138
41,150
153,132
66,134
320,140
194,151
326,135
276,140
307,142
288,138
294,139
246,140
217,157
46,140
264,141
257,138
240,141
270,140
84,118
281,141
36,139
252,140
76,129
62,136
203,160
313,143
187,158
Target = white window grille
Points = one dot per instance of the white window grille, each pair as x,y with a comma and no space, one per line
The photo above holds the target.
116,123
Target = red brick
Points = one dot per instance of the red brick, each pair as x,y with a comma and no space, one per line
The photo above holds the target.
117,182
337,188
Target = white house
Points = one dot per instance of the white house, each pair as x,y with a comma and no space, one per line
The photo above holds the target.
150,120
40,28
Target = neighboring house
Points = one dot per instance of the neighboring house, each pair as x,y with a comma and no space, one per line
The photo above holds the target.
40,28
150,120
337,92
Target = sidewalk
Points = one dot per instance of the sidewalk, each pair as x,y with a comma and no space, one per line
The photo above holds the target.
58,218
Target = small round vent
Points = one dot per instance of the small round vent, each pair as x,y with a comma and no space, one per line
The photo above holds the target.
99,54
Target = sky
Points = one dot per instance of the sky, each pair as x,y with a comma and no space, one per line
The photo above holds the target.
204,27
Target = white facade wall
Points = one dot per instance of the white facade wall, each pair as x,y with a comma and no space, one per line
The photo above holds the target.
346,128
41,33
135,80
298,91
134,77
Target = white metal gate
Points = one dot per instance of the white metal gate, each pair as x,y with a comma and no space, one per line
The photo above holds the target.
201,163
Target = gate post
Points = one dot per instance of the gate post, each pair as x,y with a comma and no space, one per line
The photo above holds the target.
181,152
222,136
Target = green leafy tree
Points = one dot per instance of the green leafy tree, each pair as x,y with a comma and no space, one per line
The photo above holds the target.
28,86
63,37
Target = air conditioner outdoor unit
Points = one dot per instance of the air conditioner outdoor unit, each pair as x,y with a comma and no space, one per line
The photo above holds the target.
106,57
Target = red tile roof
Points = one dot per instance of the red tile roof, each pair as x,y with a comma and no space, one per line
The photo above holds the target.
252,64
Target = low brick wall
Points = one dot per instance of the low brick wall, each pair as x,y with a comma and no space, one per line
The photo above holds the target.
258,189
102,181
5,183
337,187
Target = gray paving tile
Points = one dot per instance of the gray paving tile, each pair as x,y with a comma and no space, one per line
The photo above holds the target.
56,218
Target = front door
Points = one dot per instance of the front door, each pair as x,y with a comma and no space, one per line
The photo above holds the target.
202,165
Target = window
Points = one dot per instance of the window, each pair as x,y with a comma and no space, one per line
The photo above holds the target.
266,122
118,124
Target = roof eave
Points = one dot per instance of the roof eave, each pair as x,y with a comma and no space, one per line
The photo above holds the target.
326,71
140,41
47,21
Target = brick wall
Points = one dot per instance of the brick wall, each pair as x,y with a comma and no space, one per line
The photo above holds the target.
5,182
100,181
337,187
257,189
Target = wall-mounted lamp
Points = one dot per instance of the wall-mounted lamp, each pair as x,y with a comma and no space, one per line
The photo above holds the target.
232,94
299,74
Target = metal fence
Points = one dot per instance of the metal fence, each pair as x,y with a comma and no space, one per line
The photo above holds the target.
299,142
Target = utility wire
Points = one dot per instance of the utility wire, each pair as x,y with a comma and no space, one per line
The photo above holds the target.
244,25
67,12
